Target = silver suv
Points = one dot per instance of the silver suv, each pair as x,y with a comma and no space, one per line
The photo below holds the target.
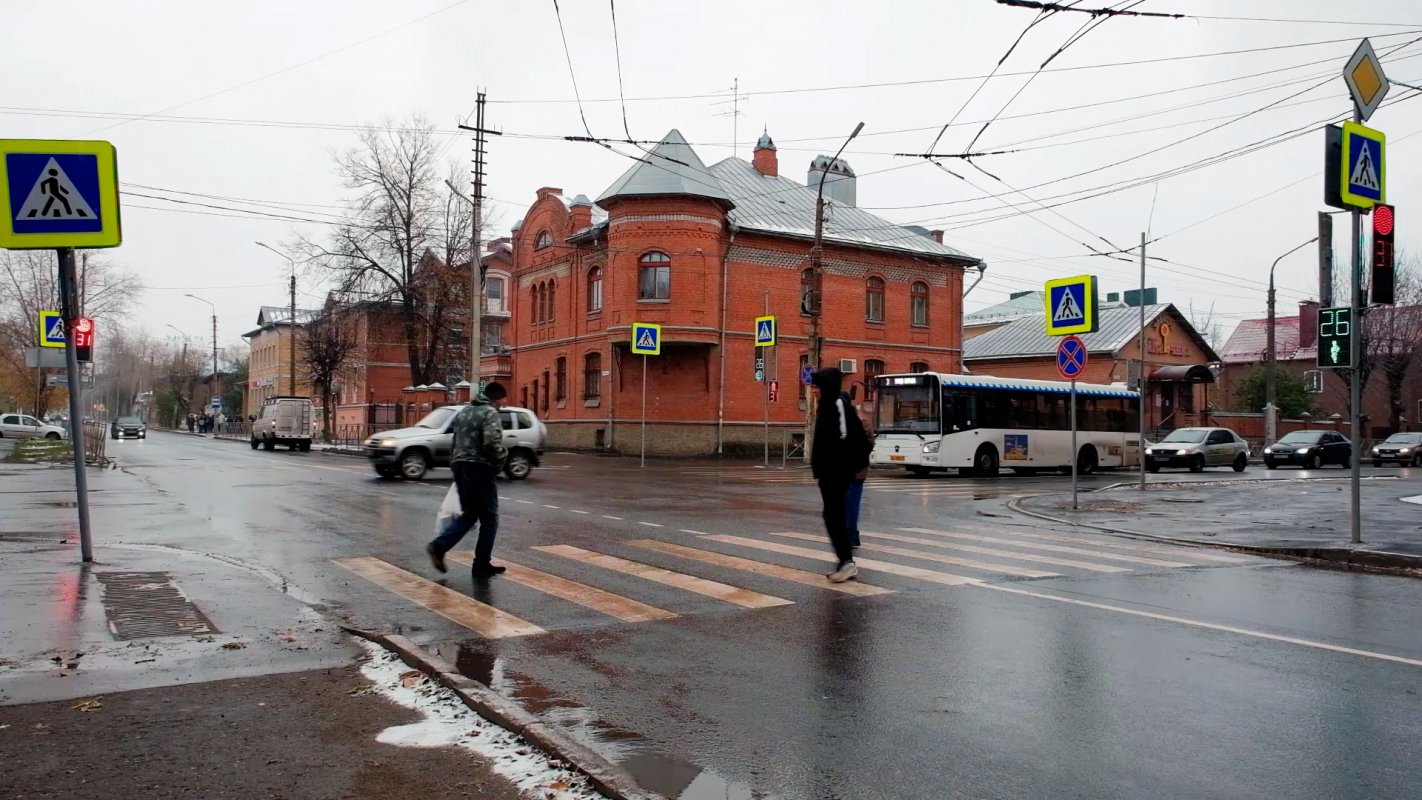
411,452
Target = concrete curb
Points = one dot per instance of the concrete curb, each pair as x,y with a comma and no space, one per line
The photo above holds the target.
1337,557
605,776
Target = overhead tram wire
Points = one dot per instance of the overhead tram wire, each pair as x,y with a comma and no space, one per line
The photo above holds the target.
1104,13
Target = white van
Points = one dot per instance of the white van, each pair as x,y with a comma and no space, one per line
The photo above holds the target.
284,420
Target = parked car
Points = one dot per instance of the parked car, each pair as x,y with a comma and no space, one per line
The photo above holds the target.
1404,448
286,421
1197,448
411,452
1310,450
24,426
126,427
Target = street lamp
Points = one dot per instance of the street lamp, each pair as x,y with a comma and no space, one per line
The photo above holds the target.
1271,426
291,264
817,277
216,385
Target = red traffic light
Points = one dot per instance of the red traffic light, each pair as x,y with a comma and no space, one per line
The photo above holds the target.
1382,220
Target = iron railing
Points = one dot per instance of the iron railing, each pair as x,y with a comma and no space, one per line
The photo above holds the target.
96,442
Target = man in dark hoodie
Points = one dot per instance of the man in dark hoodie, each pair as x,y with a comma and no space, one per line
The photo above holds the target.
838,452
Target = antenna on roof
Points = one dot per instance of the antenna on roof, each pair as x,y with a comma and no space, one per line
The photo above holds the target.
734,113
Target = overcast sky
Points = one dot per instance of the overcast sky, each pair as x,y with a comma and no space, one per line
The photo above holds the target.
90,69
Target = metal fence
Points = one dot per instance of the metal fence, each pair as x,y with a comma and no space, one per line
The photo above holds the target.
96,442
234,429
343,437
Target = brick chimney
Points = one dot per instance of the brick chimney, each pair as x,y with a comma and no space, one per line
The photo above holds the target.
764,159
581,212
1308,323
937,236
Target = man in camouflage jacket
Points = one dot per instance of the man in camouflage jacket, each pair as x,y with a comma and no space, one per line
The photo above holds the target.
478,456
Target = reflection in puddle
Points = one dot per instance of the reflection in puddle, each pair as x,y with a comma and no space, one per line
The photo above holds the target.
669,776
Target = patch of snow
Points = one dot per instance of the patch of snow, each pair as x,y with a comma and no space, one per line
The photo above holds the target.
450,723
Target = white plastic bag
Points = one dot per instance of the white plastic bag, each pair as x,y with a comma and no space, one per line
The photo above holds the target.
449,510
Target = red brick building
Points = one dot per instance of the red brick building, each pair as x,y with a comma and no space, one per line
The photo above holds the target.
703,251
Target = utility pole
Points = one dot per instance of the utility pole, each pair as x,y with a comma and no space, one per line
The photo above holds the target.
476,261
1355,356
216,385
1140,369
817,272
69,301
293,330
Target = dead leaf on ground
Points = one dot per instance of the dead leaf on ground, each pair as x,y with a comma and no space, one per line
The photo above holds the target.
288,638
411,678
559,785
235,646
92,704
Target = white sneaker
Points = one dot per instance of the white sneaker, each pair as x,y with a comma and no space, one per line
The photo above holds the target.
846,571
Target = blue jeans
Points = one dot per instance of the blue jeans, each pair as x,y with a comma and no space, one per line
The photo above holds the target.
479,502
852,497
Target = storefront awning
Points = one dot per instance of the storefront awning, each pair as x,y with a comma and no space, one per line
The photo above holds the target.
1184,373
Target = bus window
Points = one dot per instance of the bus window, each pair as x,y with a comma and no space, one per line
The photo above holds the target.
906,409
957,411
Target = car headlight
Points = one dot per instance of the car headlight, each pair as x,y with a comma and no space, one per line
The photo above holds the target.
1268,450
1405,450
1303,450
1182,452
1375,450
387,442
931,447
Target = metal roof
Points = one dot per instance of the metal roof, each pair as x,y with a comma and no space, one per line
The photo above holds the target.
671,168
776,204
281,315
1027,337
1024,305
1250,342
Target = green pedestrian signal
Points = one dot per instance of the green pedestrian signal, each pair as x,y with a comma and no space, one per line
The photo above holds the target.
1335,338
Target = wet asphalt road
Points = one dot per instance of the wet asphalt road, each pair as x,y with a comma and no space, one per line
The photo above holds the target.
1063,667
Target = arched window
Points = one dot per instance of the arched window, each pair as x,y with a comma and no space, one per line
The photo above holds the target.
592,376
918,304
807,284
536,303
919,366
552,305
654,276
545,239
560,374
874,299
594,290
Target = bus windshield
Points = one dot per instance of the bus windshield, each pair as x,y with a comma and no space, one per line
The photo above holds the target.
907,409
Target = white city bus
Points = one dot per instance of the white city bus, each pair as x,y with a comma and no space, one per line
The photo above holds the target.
977,424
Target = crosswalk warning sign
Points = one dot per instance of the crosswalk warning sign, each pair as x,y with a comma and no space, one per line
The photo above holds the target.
54,196
51,329
646,339
1365,174
1362,171
765,331
1070,305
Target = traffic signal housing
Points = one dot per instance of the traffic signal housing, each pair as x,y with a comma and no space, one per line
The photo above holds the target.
1335,337
1383,261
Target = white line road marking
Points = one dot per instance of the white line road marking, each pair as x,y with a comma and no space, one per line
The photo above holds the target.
945,578
578,511
525,502
609,516
1001,569
1052,548
483,619
721,591
545,505
1317,645
1121,544
692,532
613,605
988,551
650,524
760,568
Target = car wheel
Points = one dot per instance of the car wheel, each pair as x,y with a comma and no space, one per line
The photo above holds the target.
255,443
922,472
387,472
1312,462
1347,462
1197,463
1152,468
1377,463
1271,464
518,466
52,436
413,465
1240,462
269,444
1086,461
1416,460
985,462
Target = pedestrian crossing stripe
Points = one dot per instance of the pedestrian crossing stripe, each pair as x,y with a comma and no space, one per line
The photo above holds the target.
54,196
985,566
709,588
1054,548
857,588
456,607
613,605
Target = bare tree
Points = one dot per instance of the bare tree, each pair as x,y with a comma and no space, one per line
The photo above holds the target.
328,344
404,241
1205,323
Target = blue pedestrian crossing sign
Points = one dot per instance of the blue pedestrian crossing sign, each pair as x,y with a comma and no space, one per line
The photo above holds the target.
646,339
1363,171
51,329
1071,305
765,331
58,194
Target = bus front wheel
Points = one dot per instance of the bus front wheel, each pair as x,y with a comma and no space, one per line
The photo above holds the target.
985,462
1086,461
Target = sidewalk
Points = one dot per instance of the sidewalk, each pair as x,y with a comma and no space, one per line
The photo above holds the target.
1305,518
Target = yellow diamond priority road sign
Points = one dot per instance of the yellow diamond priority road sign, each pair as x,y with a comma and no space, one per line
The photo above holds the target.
1366,81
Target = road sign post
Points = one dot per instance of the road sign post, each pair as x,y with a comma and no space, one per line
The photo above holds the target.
63,195
765,336
1071,363
646,341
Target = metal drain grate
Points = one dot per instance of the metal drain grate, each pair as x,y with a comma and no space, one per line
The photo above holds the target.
144,604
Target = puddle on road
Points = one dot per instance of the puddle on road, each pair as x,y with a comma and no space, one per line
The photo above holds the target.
653,769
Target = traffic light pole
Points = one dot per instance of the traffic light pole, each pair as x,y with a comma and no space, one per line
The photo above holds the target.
1355,385
69,297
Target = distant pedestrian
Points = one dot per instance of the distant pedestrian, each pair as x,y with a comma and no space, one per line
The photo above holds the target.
854,495
192,423
838,453
479,453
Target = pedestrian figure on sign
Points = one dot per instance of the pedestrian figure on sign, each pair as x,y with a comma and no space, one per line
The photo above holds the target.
51,188
839,452
478,456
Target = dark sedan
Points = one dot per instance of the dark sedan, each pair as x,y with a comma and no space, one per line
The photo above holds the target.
128,428
1310,450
